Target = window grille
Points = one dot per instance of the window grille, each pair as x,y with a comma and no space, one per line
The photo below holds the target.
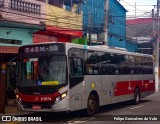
24,6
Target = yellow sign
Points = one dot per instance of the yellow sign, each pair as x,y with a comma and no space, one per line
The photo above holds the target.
93,85
50,83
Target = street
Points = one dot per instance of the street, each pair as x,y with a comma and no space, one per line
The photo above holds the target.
109,114
61,56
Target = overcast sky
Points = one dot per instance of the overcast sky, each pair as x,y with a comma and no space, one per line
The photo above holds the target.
147,6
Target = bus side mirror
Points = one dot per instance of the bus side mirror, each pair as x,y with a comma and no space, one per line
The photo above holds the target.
11,63
12,66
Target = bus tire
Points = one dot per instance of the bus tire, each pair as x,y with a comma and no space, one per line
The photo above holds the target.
137,96
91,105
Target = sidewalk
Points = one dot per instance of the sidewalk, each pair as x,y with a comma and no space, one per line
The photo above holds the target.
11,109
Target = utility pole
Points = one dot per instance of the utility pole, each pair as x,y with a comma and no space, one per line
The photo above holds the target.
153,31
135,10
157,51
106,7
90,27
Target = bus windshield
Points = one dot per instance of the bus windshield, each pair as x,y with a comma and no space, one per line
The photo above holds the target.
42,71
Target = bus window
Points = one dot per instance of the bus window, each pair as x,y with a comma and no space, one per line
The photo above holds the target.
131,64
147,66
42,71
111,64
29,69
57,69
138,65
76,67
92,63
125,64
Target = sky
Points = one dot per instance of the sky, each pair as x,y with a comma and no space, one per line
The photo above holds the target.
142,7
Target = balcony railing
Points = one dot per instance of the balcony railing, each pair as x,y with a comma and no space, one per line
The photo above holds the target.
24,6
1,3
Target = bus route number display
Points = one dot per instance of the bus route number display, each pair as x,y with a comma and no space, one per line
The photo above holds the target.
36,49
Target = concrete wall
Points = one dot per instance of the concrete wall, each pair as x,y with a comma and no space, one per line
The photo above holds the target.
25,35
59,17
19,16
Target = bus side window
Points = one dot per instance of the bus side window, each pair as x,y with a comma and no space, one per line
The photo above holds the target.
76,67
92,63
126,64
147,66
111,64
138,65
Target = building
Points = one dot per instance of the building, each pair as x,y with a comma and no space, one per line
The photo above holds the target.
19,19
116,24
105,20
63,22
95,21
140,31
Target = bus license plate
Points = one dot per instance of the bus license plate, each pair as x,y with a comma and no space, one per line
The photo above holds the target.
36,107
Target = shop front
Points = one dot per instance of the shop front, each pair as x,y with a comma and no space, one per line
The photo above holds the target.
7,74
55,34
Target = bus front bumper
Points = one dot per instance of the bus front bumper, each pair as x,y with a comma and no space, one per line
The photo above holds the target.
61,106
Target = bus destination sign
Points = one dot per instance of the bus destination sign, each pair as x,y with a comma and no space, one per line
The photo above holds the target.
37,49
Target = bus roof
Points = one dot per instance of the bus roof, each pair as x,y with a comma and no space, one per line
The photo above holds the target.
97,48
106,49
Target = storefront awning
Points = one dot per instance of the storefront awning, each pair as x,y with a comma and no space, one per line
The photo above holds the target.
9,49
50,30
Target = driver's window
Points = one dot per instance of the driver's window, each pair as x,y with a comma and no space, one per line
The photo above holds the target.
76,67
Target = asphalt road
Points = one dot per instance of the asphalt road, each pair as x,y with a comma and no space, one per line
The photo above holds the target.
147,112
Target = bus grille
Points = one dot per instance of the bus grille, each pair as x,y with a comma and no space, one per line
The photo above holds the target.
46,105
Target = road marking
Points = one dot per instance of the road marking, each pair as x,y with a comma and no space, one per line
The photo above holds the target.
137,107
80,120
76,122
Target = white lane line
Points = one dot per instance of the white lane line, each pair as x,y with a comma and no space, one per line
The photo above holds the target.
76,122
137,107
82,120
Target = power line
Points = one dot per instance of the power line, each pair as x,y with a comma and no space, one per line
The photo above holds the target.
140,12
40,13
123,22
136,31
43,19
131,5
54,21
139,5
31,17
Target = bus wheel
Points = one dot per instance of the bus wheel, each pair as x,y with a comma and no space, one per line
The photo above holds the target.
91,105
137,96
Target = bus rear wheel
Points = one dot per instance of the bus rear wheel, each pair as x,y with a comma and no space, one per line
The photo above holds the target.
91,105
137,96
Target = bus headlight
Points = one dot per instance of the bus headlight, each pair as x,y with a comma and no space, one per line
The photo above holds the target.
59,98
63,95
18,98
